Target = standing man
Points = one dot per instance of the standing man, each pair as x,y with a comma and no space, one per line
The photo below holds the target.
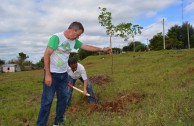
55,65
77,71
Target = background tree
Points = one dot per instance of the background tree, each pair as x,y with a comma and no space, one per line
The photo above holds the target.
156,43
116,50
184,35
82,54
13,61
139,47
40,64
176,38
105,21
22,57
27,63
126,48
126,30
173,40
122,30
2,62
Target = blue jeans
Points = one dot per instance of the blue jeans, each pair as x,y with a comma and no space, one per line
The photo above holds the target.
89,90
59,85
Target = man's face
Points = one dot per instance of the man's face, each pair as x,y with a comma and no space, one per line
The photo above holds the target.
73,67
75,34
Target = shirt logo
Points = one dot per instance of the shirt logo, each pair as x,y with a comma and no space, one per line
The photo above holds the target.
64,48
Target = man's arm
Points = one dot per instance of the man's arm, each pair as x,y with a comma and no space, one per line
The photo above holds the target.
95,49
47,54
85,87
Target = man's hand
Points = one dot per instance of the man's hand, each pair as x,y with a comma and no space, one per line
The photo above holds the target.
85,92
48,80
107,50
47,54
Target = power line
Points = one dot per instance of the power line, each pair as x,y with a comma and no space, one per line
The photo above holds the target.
152,25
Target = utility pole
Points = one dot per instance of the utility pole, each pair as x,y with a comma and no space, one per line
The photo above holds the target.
148,43
163,36
133,44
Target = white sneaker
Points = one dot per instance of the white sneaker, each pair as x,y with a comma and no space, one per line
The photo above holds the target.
59,124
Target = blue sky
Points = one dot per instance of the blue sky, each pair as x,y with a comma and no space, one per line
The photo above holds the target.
27,25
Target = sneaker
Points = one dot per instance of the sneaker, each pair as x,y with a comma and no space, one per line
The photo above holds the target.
60,124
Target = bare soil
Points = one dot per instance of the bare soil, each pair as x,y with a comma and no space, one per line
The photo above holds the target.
100,79
117,105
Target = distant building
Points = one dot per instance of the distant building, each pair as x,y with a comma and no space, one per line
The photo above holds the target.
10,68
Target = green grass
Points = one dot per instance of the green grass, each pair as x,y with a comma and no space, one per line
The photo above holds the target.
165,78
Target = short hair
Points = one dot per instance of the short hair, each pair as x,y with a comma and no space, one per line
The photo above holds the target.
72,61
76,26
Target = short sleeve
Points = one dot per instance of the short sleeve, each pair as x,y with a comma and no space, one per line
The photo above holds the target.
82,71
78,44
83,75
53,42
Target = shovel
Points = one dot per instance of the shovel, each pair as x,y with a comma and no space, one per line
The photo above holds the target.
71,86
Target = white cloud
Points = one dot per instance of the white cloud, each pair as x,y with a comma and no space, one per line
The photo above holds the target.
190,7
27,25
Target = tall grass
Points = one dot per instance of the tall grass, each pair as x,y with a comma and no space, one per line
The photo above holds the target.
165,78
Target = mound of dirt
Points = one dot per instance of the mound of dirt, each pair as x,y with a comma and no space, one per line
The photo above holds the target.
116,105
100,79
74,108
88,63
25,122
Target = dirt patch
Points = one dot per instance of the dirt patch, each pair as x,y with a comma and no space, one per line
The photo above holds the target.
34,99
25,122
192,69
117,105
74,108
88,63
100,79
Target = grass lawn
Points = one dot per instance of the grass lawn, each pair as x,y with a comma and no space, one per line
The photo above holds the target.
146,89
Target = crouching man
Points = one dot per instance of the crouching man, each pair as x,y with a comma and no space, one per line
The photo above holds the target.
77,71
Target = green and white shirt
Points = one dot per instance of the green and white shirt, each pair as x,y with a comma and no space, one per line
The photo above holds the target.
62,48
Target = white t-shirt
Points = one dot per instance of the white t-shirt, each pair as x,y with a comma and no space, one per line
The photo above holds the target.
80,72
62,48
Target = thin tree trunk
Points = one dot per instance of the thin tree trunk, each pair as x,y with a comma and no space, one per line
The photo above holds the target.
112,57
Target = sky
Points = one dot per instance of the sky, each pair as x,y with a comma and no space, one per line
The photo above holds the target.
27,25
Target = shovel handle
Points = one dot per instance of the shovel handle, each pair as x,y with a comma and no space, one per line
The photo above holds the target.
71,86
